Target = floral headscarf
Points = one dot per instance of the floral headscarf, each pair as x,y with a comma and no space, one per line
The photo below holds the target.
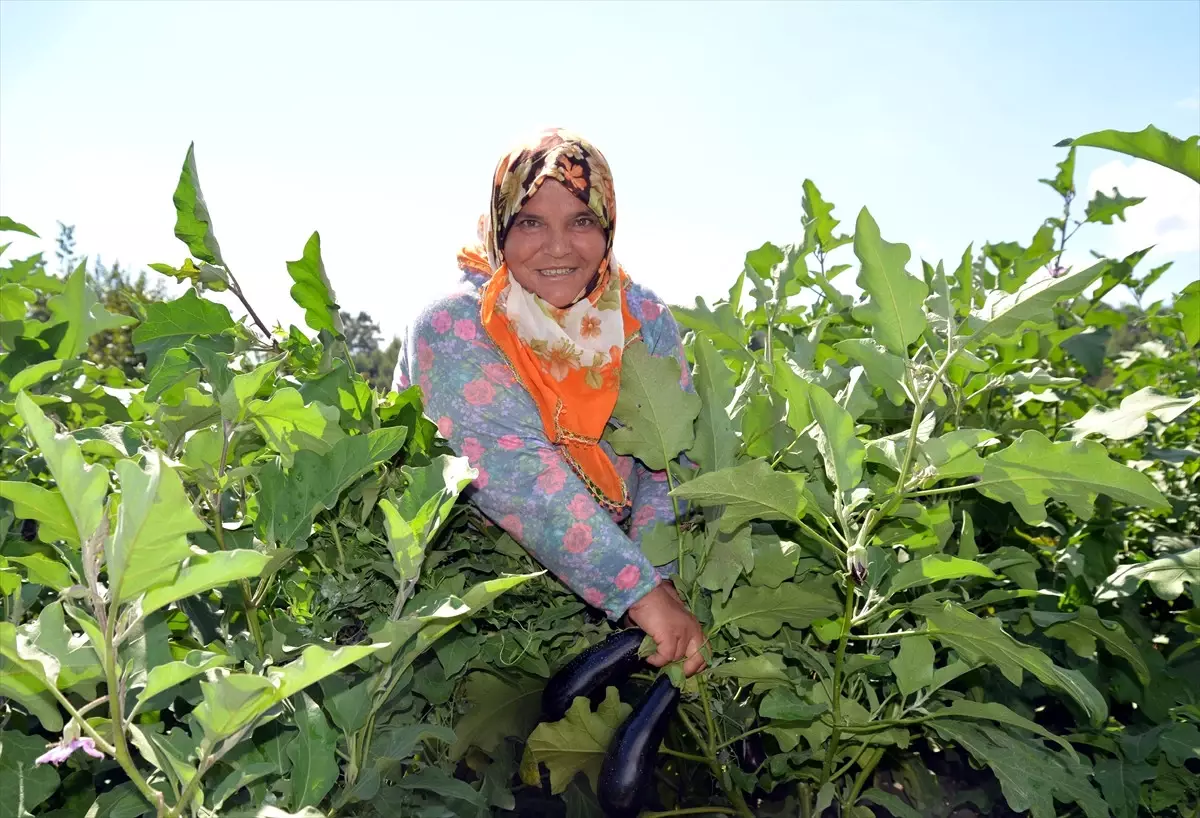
568,359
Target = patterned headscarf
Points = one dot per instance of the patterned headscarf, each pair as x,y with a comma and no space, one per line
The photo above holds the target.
568,359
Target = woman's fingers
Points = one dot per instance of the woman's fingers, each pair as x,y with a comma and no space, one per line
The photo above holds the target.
695,657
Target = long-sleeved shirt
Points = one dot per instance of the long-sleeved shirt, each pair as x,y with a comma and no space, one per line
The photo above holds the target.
524,485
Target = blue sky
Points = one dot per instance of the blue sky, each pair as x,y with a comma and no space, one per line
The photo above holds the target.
379,124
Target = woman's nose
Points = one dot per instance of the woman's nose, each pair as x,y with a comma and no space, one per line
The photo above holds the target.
558,243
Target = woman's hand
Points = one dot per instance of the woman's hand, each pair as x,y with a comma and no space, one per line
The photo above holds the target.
662,614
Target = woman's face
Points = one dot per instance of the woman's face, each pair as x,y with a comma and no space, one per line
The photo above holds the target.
555,245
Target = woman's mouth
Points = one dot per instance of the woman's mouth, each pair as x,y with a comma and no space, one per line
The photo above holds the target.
558,272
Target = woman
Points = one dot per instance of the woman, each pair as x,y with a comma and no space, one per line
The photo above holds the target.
521,370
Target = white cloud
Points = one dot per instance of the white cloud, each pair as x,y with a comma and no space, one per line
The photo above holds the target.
1189,104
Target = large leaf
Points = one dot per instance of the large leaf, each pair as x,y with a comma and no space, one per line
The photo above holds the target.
1166,575
47,506
1003,314
1082,631
82,485
203,573
1033,470
162,678
1121,782
193,225
819,223
841,450
765,671
716,445
884,369
935,568
1187,304
913,665
25,784
1151,144
894,309
431,492
7,225
155,517
312,290
314,764
1104,209
83,313
655,413
1131,419
498,710
984,641
290,501
729,556
169,324
288,424
576,744
751,491
721,326
1031,776
765,610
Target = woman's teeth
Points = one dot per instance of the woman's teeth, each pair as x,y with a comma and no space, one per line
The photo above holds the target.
557,272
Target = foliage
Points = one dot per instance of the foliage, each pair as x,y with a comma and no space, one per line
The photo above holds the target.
942,538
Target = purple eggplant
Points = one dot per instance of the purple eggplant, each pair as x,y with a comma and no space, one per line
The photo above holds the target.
627,775
591,671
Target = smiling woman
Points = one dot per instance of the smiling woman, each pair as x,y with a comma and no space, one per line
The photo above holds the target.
521,372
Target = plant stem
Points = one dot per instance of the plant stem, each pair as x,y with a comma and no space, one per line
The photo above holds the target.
838,669
251,610
120,747
893,634
867,768
236,289
743,736
685,756
337,540
731,792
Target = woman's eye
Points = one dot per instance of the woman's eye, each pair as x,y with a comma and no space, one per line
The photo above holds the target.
585,221
528,223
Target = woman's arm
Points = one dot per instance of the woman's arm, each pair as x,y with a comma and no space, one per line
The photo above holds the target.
524,485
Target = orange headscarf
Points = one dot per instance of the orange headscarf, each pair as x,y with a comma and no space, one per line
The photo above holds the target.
569,359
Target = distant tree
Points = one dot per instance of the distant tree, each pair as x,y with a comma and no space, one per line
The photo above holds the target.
372,362
362,334
121,291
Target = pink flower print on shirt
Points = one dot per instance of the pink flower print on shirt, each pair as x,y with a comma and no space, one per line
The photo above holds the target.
629,577
479,392
513,525
445,426
425,383
471,449
624,466
402,382
643,516
424,355
465,328
578,538
441,321
659,476
481,481
510,443
549,458
651,310
594,597
581,506
552,480
500,373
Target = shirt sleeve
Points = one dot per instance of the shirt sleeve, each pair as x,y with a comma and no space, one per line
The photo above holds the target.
524,485
653,503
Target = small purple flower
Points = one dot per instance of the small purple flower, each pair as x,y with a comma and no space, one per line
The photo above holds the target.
1057,271
61,752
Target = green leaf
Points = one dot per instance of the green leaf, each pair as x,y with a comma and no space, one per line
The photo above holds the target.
1166,575
47,506
765,671
1151,144
1121,782
348,707
1181,743
1187,304
716,444
312,290
1030,776
1004,314
775,560
153,522
7,225
32,375
314,765
819,223
953,454
193,225
721,326
288,424
1086,627
203,573
994,711
78,307
433,779
766,610
497,711
42,570
656,414
660,544
984,641
289,502
77,664
1064,182
164,677
1130,420
783,704
25,784
840,448
576,744
935,568
1034,470
884,369
894,309
890,803
1104,209
913,665
235,399
27,691
729,557
751,491
82,485
430,494
169,324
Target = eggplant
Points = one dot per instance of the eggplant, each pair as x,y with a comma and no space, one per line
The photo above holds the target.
590,671
627,775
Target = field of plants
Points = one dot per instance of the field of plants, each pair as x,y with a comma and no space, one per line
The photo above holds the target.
943,536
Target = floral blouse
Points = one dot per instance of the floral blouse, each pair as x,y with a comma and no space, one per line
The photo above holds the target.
524,485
